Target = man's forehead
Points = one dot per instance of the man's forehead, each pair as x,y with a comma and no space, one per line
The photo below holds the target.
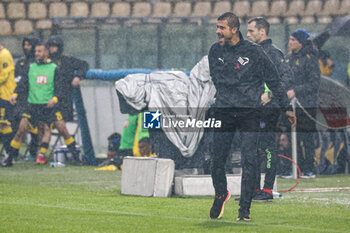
222,22
252,24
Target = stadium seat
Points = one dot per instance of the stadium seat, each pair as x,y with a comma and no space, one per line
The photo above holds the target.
16,10
44,24
37,10
241,8
220,8
58,9
307,20
292,20
324,19
100,9
274,20
313,7
331,7
296,7
23,26
161,9
260,8
344,7
79,9
182,9
2,11
5,27
202,9
121,9
141,9
278,8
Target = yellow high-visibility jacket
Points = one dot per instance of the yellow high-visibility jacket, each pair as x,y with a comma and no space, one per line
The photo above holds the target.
7,75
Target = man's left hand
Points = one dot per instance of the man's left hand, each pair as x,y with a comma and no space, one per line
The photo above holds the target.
51,103
76,81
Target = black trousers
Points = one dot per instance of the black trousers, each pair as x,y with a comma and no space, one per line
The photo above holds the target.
268,148
306,129
248,125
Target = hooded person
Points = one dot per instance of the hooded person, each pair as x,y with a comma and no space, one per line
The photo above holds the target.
21,70
71,70
22,65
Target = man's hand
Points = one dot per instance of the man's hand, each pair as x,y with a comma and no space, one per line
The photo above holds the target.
292,118
51,103
265,99
13,100
75,81
291,94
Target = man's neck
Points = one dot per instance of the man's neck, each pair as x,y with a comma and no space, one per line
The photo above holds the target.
235,39
263,38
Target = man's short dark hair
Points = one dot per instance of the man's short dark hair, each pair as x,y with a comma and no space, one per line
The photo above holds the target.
261,22
232,19
41,43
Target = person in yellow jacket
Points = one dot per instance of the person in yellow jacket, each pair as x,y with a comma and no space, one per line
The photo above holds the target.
7,86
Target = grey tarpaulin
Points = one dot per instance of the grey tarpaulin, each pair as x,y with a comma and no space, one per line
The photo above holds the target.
173,93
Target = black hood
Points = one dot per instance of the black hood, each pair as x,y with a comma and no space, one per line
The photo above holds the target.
33,41
56,41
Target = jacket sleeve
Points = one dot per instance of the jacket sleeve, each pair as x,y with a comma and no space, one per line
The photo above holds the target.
22,86
6,66
271,77
283,69
79,66
312,77
58,92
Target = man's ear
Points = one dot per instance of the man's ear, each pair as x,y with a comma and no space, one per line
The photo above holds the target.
234,30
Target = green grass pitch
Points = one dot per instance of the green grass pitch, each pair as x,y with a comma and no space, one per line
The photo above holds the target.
37,198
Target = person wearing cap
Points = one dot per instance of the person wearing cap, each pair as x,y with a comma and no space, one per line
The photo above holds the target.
303,61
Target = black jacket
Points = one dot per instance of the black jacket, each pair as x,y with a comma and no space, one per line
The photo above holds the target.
239,73
307,75
68,68
277,58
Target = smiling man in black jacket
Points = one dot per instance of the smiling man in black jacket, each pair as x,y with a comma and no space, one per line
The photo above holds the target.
258,30
239,69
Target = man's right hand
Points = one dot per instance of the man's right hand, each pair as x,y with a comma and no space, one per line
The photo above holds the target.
13,100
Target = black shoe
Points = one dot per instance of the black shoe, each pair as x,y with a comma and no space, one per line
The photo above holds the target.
263,196
217,209
243,215
7,162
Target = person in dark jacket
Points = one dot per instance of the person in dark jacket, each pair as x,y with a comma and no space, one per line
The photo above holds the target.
258,30
305,67
21,70
71,69
239,69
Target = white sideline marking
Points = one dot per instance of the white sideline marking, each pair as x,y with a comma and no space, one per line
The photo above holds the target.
169,217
